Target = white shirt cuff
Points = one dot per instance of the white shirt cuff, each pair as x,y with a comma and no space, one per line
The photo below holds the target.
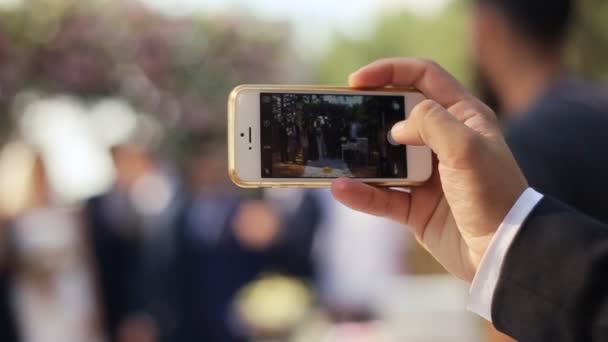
482,289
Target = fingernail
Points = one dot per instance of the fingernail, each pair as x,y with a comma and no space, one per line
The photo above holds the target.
399,126
355,72
351,77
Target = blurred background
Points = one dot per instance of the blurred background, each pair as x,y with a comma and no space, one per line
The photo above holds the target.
117,220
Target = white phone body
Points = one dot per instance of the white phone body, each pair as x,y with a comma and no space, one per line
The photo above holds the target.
245,138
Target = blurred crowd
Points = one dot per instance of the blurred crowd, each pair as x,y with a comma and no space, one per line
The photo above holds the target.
117,218
118,221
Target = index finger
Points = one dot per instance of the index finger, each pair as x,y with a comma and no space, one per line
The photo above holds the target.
427,76
381,202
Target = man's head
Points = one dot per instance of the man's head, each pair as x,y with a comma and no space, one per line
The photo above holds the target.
510,33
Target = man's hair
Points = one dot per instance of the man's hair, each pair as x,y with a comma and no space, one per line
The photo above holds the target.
545,22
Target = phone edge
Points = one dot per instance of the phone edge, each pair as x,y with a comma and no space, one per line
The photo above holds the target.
287,184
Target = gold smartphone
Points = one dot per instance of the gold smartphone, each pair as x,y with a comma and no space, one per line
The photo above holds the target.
306,136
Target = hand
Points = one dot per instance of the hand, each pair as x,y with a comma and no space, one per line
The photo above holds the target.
475,182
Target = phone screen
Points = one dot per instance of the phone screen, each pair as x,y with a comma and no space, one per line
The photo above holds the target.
330,136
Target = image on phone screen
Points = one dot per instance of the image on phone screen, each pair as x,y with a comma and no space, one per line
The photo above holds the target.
330,135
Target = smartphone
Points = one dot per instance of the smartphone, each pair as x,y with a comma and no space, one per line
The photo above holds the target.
306,136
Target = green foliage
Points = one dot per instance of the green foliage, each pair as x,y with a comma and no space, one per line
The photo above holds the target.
589,48
178,69
441,36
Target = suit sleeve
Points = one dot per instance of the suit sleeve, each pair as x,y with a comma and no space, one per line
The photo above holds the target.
554,281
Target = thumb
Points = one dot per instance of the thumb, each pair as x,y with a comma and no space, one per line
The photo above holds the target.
432,125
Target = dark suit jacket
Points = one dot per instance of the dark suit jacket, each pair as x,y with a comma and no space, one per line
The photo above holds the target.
561,144
118,264
212,265
554,281
8,326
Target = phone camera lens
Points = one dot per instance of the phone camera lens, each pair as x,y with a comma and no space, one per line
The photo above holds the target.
242,134
250,148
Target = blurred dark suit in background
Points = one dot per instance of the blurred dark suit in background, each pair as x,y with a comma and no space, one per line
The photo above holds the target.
215,261
560,143
132,233
555,124
8,328
224,242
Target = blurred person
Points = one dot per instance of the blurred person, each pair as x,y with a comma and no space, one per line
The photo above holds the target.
16,166
319,128
537,267
355,128
50,275
292,143
125,50
304,129
8,326
283,146
333,138
132,228
226,241
358,258
555,122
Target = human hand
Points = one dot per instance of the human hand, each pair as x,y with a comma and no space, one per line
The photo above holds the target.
475,182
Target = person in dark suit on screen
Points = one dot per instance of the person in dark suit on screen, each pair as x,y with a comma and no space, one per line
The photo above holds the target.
538,268
555,123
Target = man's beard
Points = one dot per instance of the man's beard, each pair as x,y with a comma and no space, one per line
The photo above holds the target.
486,92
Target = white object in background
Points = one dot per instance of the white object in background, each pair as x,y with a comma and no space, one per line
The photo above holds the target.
358,255
54,292
16,174
78,166
114,119
429,309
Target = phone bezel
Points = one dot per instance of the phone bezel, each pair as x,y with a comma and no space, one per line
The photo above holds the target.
244,159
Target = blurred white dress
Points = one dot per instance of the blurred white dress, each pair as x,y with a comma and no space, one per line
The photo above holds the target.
53,294
358,256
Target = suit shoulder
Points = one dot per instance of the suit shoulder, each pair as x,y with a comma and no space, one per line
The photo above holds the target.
558,120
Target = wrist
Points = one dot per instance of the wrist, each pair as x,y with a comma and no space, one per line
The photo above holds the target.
490,265
482,244
506,214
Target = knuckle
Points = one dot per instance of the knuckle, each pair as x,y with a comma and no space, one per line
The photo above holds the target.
425,107
428,112
470,108
430,63
386,206
427,61
488,112
470,144
482,108
432,112
378,204
466,152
